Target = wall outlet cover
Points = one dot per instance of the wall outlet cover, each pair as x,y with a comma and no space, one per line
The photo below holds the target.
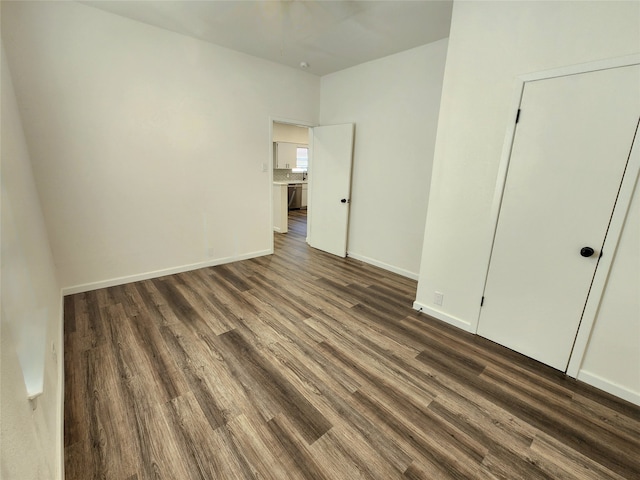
438,298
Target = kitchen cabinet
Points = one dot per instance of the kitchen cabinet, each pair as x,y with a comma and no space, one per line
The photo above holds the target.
285,154
305,187
280,214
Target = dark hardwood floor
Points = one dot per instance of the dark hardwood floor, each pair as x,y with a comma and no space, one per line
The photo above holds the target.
301,365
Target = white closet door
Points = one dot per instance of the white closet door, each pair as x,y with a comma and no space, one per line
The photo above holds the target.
568,158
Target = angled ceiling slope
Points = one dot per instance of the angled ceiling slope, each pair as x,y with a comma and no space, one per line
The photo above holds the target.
328,35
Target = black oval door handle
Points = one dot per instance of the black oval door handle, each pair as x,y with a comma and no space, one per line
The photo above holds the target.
587,251
344,200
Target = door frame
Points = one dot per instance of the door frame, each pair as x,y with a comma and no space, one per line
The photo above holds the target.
288,121
620,209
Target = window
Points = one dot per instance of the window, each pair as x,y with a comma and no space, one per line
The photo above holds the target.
302,159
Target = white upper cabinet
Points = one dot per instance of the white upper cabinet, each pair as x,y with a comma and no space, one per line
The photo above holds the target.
286,155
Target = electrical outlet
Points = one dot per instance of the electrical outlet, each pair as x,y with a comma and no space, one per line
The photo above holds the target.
265,167
212,252
438,298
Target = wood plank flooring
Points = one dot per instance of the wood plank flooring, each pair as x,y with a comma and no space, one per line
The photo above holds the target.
301,365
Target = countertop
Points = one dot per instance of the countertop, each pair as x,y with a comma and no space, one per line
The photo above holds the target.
290,182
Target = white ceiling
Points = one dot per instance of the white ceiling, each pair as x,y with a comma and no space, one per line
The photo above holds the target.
328,35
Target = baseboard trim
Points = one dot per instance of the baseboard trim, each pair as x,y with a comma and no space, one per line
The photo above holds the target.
87,287
609,387
437,314
384,266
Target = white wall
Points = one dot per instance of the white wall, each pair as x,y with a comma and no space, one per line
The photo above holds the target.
491,43
30,440
394,103
147,145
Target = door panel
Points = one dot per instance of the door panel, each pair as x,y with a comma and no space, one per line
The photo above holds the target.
329,184
568,157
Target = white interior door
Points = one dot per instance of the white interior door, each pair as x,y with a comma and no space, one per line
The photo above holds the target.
568,158
330,188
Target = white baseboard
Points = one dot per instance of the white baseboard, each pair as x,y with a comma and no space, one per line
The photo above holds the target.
451,320
87,287
609,387
384,266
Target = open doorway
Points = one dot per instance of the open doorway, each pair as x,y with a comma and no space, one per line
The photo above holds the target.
323,179
290,178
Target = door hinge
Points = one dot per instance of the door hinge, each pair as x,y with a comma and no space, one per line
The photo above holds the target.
518,116
482,301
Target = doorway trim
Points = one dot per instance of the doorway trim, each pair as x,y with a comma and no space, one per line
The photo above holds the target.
288,121
619,214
